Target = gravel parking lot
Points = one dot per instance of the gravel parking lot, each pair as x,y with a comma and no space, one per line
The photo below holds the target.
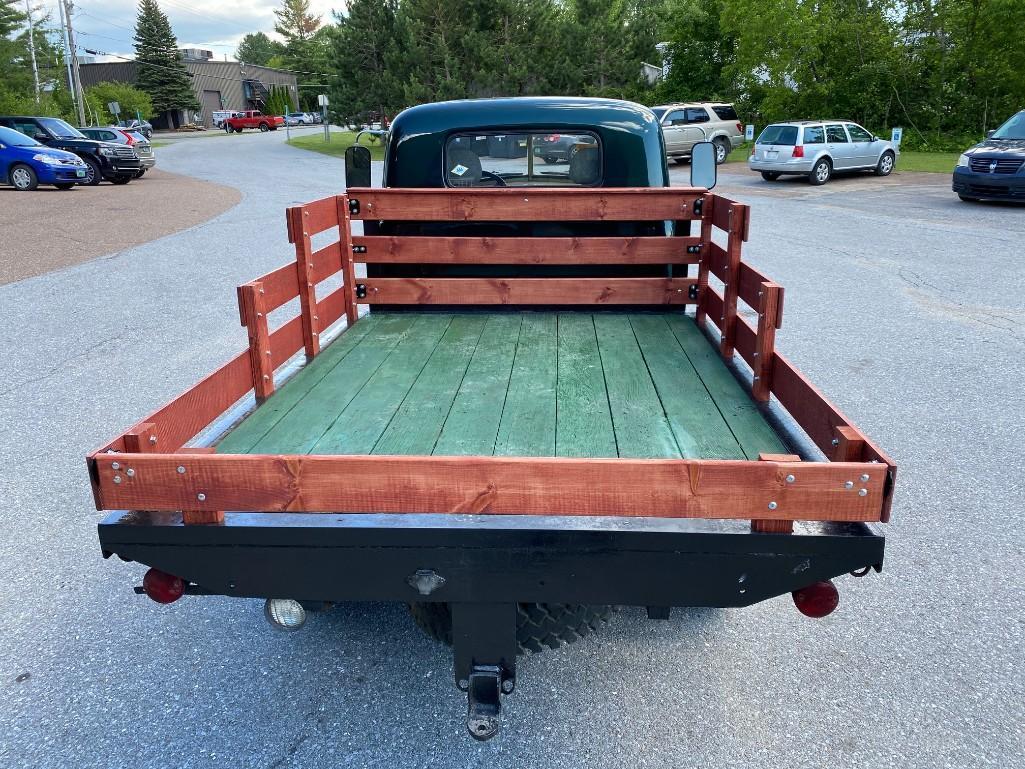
904,304
49,229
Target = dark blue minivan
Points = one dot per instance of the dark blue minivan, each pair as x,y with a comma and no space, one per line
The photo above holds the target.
994,169
25,163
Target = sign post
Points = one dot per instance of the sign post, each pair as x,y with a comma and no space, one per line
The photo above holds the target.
896,135
322,101
749,133
115,110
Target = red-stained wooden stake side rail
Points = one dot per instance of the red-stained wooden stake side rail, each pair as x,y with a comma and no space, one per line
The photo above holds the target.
148,467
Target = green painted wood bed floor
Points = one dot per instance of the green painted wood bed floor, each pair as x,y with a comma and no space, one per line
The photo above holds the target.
571,384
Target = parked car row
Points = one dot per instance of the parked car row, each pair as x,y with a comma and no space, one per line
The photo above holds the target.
47,150
231,120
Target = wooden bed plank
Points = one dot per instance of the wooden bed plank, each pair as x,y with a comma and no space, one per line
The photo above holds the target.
697,424
496,485
528,291
472,424
248,433
514,250
362,421
300,428
528,419
642,430
518,205
738,409
583,420
417,424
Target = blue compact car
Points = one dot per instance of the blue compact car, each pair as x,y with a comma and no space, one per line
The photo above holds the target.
25,163
994,169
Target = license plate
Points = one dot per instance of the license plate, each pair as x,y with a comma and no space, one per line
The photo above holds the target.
80,174
771,154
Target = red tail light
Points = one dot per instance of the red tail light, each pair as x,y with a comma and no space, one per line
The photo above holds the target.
817,600
752,151
128,136
799,151
740,128
163,587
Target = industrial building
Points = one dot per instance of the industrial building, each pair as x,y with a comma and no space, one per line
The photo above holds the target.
218,85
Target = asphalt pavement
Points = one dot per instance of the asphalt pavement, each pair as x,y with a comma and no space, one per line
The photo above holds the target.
902,303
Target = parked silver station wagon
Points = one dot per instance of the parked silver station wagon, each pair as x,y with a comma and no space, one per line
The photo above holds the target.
818,148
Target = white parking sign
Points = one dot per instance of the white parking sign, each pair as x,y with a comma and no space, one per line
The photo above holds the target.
749,133
896,135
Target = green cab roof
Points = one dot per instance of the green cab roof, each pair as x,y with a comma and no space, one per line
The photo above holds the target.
633,150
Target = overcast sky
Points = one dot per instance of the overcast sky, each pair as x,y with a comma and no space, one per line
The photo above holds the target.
108,25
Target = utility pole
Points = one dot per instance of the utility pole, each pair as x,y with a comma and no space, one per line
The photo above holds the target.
67,52
76,75
32,47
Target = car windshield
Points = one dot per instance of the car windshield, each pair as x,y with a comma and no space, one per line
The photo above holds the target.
659,111
778,134
1012,129
14,138
60,129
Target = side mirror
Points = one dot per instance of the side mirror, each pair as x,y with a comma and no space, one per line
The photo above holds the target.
989,134
357,166
702,165
41,137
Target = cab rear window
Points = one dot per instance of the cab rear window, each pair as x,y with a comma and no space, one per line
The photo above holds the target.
539,159
778,134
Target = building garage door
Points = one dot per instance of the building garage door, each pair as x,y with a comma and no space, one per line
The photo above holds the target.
211,103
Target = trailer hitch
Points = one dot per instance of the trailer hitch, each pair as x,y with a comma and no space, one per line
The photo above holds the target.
484,650
483,696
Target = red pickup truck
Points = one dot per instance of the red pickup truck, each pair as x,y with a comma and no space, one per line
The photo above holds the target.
252,119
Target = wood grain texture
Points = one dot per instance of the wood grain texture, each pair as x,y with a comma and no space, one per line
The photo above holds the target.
520,204
697,424
528,421
707,214
752,432
302,230
494,485
416,425
359,425
316,217
253,309
248,433
750,281
585,429
642,429
770,295
473,421
302,427
345,259
539,250
528,291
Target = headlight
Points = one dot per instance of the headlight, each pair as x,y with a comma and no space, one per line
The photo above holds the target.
108,151
962,161
50,160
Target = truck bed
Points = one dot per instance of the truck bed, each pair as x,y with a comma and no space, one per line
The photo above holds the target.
506,383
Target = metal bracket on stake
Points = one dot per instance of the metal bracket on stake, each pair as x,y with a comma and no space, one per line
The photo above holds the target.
353,206
484,704
694,291
698,205
361,290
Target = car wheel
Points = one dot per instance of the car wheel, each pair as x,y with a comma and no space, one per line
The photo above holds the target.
227,128
821,173
141,173
968,199
121,180
885,166
551,160
264,127
722,151
23,178
92,173
64,185
770,176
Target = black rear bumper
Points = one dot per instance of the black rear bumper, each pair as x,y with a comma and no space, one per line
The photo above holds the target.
482,566
629,561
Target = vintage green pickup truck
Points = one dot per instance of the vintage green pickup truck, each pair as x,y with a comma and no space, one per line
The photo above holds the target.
518,391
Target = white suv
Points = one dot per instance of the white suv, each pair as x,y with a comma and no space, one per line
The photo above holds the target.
683,125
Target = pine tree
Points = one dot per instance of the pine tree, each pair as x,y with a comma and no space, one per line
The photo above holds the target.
161,72
15,76
257,48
